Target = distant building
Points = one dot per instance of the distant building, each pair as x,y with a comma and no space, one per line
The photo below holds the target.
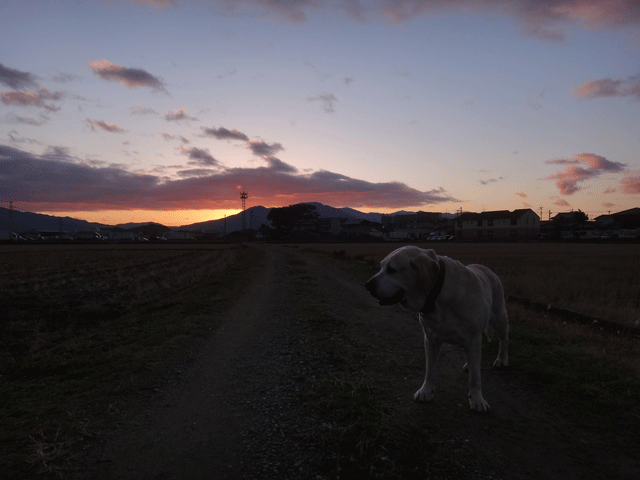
627,219
360,228
498,225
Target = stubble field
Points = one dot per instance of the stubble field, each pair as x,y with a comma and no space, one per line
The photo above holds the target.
90,331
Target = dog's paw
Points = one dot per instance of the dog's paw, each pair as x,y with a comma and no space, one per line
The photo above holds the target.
478,403
499,362
425,394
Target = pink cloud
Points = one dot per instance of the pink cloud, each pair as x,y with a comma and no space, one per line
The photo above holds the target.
547,20
599,163
521,195
542,19
25,98
609,88
568,180
631,183
112,128
561,203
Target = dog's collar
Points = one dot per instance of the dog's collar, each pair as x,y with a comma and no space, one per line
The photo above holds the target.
430,302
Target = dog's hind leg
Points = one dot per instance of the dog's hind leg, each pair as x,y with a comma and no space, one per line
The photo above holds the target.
500,322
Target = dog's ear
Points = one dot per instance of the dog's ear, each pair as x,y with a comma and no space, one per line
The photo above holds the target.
427,267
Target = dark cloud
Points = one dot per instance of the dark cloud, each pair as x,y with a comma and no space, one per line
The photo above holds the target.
225,134
158,3
129,77
178,115
327,101
609,88
263,149
62,77
278,165
15,137
57,181
139,110
561,161
16,79
168,136
288,10
18,120
490,180
200,157
104,126
229,73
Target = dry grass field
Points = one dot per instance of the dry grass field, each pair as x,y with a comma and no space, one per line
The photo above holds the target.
90,330
599,280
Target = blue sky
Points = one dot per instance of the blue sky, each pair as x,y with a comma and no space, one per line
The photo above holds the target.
120,110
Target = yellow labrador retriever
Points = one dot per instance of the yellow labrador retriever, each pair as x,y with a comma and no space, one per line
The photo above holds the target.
456,304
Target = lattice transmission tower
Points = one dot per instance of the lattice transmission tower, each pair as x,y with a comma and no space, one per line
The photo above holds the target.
243,197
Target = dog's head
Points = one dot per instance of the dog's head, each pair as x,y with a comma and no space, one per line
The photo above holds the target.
406,276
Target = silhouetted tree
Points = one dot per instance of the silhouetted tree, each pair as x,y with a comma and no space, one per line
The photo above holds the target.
284,218
581,217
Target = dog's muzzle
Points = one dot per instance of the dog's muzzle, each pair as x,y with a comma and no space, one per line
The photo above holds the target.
392,300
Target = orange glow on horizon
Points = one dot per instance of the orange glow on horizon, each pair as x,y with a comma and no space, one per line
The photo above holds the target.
169,218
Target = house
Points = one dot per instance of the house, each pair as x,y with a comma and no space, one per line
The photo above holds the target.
498,225
627,219
360,228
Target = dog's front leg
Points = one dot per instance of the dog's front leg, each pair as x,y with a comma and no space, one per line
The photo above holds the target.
432,351
474,357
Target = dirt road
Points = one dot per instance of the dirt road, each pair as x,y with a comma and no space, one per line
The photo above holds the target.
309,378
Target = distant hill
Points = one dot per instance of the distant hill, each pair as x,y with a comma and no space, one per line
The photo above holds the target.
326,211
254,217
17,221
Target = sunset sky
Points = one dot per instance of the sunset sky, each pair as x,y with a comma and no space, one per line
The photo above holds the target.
121,111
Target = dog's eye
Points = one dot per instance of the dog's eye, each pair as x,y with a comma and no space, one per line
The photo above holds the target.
390,269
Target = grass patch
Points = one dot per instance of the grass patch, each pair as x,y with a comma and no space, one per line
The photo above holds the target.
583,372
62,382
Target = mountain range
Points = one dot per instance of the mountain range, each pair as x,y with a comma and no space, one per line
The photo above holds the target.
19,221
